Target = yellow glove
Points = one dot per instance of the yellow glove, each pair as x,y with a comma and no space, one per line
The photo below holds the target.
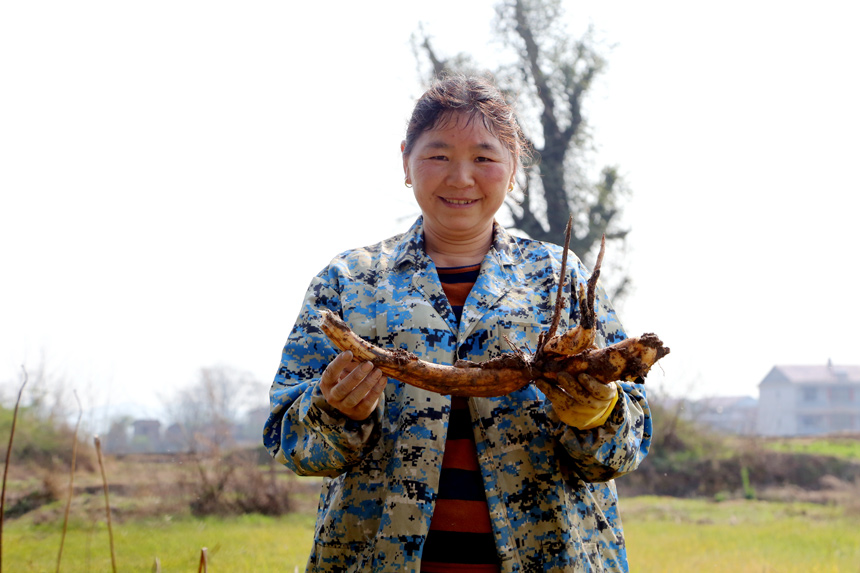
581,402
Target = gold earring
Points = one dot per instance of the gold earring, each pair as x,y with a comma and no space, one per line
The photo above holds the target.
511,188
406,182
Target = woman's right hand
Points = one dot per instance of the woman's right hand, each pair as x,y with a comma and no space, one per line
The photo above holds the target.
352,387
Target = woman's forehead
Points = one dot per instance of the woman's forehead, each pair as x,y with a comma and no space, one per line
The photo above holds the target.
459,124
462,120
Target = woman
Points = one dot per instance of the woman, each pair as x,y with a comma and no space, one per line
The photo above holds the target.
416,481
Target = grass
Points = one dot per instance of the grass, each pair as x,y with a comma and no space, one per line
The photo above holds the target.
243,544
847,448
663,535
667,534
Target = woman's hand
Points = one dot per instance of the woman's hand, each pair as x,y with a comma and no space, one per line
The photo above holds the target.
351,387
585,403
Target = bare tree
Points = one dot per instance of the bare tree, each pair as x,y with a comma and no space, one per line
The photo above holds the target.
228,478
550,76
209,410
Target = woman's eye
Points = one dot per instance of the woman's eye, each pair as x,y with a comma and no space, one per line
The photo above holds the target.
483,159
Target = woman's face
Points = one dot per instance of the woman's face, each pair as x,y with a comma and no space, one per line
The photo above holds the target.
460,175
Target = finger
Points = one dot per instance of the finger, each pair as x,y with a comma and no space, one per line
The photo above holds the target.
559,397
586,386
334,371
350,391
596,388
554,393
347,384
566,407
358,383
347,369
582,396
375,384
376,387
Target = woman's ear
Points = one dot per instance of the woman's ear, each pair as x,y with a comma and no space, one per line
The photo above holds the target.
405,161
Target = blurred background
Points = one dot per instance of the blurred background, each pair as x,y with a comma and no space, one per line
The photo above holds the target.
174,173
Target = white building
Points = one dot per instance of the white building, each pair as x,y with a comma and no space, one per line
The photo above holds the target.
808,400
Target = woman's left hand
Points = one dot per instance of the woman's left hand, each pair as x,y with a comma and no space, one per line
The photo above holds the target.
585,403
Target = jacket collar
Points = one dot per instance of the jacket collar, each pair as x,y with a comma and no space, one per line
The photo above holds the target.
500,271
410,247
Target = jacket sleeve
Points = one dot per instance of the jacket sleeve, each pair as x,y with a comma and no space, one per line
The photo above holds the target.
615,448
622,442
303,431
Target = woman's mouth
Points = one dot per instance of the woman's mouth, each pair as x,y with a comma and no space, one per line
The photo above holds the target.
459,201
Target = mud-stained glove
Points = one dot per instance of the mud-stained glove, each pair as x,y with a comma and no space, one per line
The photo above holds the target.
581,401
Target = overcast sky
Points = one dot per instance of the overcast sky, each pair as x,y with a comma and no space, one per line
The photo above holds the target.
172,174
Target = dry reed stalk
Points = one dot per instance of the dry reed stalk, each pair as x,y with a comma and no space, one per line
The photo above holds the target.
203,565
156,567
71,482
107,501
6,465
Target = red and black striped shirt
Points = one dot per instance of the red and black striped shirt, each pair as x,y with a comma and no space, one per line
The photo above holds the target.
461,535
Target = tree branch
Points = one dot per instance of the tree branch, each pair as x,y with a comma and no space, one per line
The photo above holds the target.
523,29
438,64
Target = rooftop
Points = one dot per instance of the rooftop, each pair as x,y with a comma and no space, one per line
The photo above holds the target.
814,374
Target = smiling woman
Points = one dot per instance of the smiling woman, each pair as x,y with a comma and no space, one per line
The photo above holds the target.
460,174
460,155
421,481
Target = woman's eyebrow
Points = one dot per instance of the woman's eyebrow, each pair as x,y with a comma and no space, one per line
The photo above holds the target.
438,145
443,145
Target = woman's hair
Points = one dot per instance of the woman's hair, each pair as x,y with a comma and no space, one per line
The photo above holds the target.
477,98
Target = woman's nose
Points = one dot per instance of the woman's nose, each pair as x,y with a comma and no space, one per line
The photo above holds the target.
460,175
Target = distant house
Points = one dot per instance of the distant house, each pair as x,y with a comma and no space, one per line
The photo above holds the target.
809,400
149,430
726,414
175,439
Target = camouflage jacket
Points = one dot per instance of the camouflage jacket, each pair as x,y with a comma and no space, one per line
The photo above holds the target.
552,501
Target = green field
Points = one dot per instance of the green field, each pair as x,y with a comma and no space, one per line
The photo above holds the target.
847,448
663,534
667,535
239,544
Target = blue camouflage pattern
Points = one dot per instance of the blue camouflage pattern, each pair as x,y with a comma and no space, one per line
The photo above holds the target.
550,490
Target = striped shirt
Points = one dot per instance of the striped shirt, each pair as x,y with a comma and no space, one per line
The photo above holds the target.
461,535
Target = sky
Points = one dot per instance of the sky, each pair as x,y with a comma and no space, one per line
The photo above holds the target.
172,174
